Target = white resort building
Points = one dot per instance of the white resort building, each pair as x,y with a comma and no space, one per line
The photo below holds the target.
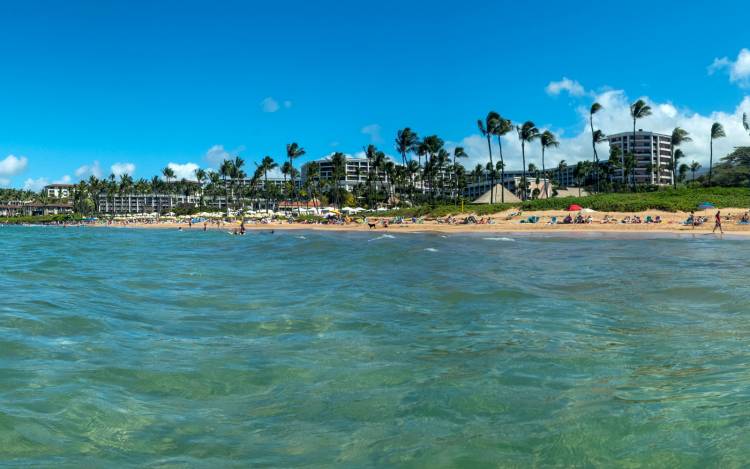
356,171
59,191
653,155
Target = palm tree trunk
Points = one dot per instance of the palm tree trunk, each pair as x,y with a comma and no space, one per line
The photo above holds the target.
544,174
502,170
596,156
492,168
523,179
711,162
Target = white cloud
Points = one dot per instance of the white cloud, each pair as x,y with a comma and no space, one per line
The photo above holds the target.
373,130
93,169
615,118
572,87
739,69
35,184
64,180
4,182
184,171
118,169
269,105
13,165
216,154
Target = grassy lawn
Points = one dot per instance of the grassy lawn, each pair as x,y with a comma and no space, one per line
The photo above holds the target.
670,200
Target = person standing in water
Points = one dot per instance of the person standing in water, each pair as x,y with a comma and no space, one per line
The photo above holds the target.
717,223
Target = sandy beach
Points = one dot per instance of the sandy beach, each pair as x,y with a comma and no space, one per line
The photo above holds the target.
502,222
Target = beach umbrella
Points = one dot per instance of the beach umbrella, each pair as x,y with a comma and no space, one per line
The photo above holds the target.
574,208
706,206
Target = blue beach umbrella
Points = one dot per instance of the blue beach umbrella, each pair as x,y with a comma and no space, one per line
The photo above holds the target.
706,206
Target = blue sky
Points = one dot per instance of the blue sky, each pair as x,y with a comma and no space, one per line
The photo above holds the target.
137,85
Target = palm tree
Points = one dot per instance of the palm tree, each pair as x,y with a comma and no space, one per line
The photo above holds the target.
580,172
237,174
615,162
225,171
561,166
638,110
526,134
406,142
717,131
313,174
371,154
674,165
412,170
628,167
745,122
338,161
293,151
126,187
458,152
596,107
547,139
168,174
502,127
694,166
201,177
598,137
266,164
679,136
487,129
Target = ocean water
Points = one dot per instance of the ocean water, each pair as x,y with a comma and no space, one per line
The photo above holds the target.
125,348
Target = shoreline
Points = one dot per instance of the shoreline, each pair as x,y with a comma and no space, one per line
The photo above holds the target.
502,223
456,229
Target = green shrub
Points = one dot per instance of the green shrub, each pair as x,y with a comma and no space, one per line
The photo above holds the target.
669,200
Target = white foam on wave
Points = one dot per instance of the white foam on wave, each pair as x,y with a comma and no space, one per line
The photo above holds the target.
385,236
301,237
430,249
498,239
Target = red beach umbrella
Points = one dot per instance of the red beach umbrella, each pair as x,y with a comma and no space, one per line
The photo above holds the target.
574,208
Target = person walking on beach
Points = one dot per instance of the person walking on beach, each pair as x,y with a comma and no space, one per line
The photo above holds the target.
718,223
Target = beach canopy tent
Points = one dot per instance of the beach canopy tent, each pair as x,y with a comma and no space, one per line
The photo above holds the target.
706,206
574,208
497,194
588,210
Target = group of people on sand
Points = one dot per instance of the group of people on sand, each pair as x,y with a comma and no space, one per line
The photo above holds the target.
694,221
577,220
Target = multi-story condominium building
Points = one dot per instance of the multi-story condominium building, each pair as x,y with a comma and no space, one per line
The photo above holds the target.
59,191
272,181
653,155
16,208
143,203
355,172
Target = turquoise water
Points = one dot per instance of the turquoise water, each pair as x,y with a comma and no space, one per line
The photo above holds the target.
124,348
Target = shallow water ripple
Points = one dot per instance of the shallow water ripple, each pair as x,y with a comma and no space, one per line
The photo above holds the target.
167,349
